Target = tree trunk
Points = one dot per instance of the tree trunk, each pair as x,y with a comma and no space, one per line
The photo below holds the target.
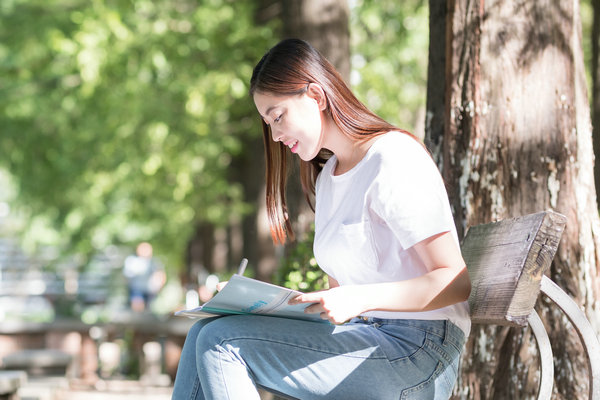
515,138
595,70
324,24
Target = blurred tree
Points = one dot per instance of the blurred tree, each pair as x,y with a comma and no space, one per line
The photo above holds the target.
511,131
389,59
120,119
124,121
323,23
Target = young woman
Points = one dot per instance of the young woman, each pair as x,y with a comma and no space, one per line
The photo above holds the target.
384,234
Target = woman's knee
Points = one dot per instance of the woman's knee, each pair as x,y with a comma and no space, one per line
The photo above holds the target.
212,333
224,329
197,327
194,331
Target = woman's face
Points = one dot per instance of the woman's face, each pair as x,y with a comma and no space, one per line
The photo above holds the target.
295,120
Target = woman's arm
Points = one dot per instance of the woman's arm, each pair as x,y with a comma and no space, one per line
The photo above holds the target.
332,282
446,282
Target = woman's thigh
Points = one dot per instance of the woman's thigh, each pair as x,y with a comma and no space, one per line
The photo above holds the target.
318,360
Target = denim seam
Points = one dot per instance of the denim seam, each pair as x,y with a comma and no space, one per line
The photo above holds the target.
423,384
439,350
436,373
194,393
427,340
300,347
457,346
455,342
442,356
432,331
448,338
221,351
412,355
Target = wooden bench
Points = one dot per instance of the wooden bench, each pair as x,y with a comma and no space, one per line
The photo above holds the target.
507,261
38,362
10,382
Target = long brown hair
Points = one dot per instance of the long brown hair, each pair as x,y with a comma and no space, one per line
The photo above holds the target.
286,70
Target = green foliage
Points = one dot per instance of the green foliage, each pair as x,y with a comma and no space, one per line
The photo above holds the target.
119,119
390,42
299,269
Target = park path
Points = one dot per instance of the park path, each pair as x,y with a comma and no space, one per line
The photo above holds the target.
58,389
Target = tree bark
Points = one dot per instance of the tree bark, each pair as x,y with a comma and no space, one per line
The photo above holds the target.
515,138
595,70
324,24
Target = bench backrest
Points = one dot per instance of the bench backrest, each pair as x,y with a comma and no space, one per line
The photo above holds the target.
506,261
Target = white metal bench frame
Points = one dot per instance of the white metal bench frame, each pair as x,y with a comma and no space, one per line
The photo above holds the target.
584,329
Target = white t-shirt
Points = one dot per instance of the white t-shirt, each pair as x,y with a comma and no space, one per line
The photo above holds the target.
368,219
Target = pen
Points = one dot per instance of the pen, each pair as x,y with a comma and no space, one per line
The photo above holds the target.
242,266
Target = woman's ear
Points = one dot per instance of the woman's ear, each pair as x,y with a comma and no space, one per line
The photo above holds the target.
316,92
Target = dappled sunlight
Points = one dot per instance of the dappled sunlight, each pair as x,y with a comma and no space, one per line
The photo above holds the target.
328,367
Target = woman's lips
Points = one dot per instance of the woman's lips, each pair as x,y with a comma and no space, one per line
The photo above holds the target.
292,145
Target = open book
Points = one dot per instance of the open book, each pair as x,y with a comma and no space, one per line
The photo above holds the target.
244,295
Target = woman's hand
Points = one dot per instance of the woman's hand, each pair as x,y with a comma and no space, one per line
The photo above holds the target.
337,305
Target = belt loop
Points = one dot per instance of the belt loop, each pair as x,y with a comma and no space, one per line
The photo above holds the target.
446,333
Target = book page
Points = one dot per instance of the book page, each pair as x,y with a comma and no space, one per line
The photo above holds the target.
244,295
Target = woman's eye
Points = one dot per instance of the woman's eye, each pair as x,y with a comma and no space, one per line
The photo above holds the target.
278,118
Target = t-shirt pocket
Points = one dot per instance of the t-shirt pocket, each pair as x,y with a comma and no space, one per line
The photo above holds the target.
357,239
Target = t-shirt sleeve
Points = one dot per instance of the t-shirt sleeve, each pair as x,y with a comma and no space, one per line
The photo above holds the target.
409,195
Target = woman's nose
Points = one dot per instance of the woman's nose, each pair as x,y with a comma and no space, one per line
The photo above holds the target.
276,134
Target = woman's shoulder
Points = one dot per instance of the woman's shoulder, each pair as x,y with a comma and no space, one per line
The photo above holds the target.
398,147
399,138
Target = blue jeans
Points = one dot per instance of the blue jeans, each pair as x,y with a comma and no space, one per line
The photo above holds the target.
229,357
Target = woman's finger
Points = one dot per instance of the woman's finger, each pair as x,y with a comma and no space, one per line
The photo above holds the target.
313,297
314,308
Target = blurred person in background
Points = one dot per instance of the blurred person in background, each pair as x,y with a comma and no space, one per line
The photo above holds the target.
145,277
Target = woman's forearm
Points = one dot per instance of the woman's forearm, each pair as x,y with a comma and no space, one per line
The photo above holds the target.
436,289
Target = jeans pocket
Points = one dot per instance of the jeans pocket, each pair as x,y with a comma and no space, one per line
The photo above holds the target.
425,390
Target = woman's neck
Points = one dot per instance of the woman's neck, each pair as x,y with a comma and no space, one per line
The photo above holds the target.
347,150
351,155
